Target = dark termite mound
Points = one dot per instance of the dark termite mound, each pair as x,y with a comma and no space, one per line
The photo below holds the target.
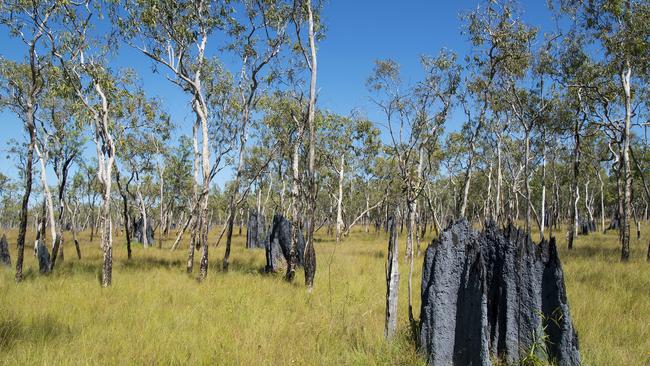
5,257
586,226
43,256
138,231
255,231
279,242
494,295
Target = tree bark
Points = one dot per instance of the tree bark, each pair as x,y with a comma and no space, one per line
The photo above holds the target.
161,173
543,203
106,157
339,201
295,205
575,194
497,202
24,209
125,211
467,181
61,169
309,255
602,203
392,282
143,214
627,173
205,160
48,201
527,178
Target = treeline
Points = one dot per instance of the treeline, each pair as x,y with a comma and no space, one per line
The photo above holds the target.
552,125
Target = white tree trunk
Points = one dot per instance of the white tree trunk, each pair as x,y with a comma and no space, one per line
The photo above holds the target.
143,213
392,282
339,201
48,195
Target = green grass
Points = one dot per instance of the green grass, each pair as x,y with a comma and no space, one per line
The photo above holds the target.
156,314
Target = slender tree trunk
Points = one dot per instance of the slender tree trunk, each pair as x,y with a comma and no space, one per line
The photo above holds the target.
575,194
392,282
62,177
161,173
143,216
497,202
411,232
24,209
467,182
106,157
125,211
295,206
309,255
205,161
627,172
527,178
192,219
48,201
488,201
339,201
230,224
543,203
73,218
602,203
367,216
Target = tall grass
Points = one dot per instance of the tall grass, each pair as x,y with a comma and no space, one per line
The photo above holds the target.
156,314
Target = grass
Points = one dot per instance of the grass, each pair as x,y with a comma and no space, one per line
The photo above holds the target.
156,314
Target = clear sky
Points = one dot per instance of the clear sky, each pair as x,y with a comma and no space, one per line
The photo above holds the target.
358,33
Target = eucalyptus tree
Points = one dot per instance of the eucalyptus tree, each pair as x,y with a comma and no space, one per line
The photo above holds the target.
22,84
274,131
105,96
178,179
575,74
363,149
337,140
62,139
500,46
528,94
257,41
622,31
415,117
280,107
140,152
305,15
339,144
174,35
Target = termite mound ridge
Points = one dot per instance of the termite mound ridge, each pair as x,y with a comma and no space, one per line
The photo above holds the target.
255,231
279,243
5,257
43,256
494,295
586,226
138,231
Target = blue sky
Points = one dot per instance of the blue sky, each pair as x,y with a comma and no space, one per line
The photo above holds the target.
358,33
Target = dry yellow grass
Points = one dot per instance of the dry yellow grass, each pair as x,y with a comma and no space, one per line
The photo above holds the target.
156,314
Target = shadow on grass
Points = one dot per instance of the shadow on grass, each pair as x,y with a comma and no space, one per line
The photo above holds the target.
41,329
151,263
246,266
594,251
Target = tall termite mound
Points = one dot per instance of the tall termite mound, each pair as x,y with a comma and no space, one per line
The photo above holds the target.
494,295
5,257
139,232
279,242
255,231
